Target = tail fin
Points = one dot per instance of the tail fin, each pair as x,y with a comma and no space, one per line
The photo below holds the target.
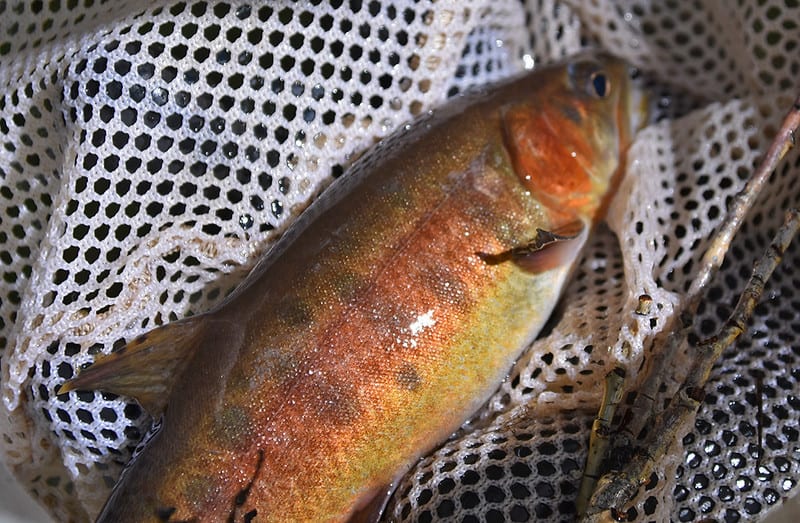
147,367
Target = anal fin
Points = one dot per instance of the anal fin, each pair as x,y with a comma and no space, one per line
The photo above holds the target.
145,368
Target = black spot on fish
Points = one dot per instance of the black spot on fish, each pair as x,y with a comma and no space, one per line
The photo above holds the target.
250,516
164,513
139,340
277,364
231,427
241,496
408,377
572,114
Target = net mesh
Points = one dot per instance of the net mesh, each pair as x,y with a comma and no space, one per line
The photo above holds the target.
149,151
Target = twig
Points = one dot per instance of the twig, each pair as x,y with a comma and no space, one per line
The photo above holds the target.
615,490
600,437
712,261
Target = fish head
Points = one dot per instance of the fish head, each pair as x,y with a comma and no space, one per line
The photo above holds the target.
567,136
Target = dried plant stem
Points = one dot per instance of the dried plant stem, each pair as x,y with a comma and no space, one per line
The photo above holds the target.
600,438
614,491
712,260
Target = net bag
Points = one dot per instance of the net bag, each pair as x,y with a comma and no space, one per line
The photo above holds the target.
150,151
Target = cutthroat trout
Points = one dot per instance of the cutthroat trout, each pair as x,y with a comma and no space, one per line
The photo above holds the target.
384,317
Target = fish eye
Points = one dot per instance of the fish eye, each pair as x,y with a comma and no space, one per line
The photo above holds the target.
599,84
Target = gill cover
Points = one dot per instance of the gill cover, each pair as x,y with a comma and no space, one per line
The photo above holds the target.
564,145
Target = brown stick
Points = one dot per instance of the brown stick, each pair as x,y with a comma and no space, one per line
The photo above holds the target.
617,490
614,491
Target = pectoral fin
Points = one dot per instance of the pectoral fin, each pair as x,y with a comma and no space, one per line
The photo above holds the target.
548,250
145,368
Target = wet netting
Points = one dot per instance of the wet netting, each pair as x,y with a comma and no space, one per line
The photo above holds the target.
150,151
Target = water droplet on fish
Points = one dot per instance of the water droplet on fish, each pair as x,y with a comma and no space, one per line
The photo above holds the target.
395,104
498,43
292,161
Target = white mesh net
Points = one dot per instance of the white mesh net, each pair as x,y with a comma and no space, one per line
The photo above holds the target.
151,150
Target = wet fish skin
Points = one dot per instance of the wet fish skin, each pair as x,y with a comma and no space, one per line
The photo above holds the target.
378,323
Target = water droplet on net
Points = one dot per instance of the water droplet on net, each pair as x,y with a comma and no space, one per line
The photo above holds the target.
246,221
528,62
160,95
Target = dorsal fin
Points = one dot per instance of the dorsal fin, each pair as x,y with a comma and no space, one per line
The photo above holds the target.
146,367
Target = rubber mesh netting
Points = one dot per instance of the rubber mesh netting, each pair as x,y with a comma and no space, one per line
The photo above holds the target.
149,151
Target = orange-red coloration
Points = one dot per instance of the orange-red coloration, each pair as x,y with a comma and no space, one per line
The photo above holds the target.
375,326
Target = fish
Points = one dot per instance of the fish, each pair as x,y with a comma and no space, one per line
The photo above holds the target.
386,314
